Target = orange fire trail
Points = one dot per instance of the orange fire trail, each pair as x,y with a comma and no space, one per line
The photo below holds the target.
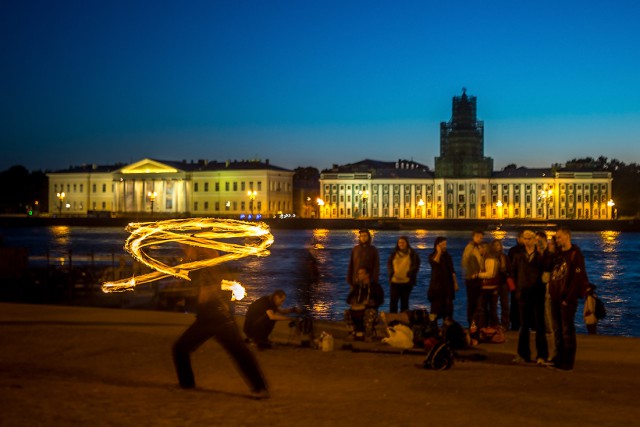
236,239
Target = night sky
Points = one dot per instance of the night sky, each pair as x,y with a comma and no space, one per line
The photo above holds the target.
307,83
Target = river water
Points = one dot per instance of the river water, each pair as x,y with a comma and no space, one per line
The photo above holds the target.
611,259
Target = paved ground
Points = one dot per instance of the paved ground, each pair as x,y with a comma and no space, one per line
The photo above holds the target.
63,366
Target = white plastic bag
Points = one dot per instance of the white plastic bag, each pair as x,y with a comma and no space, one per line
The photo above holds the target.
400,336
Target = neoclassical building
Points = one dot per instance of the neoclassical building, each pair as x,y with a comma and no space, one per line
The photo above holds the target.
463,184
227,189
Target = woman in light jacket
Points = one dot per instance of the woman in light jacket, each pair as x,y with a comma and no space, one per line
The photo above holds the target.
403,266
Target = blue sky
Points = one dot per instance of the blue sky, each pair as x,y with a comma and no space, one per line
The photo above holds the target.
307,83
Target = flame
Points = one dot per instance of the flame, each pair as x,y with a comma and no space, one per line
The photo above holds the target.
235,287
208,233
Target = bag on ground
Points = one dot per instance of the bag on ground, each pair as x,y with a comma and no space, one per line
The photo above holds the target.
400,336
439,358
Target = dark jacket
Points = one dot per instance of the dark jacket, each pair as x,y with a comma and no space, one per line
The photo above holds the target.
441,284
527,271
364,255
413,270
569,279
372,293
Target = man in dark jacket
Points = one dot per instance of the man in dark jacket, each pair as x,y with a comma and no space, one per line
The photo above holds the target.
528,266
262,315
568,282
364,254
365,297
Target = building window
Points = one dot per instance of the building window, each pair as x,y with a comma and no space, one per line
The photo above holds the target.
242,186
226,186
195,206
259,206
206,206
217,206
235,186
505,188
104,205
461,198
242,206
104,188
217,186
195,187
235,206
259,185
93,188
460,187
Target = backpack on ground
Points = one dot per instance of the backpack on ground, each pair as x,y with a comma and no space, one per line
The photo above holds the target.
454,335
600,311
439,358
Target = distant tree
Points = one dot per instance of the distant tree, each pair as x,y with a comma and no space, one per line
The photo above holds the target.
21,189
510,166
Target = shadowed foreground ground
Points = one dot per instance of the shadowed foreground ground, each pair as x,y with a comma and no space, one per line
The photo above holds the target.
89,366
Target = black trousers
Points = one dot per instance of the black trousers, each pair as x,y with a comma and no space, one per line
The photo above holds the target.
531,305
399,292
564,330
260,329
226,333
474,288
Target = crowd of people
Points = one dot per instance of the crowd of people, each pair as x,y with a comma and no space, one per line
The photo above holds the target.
535,286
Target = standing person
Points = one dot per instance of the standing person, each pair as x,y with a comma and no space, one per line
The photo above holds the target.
403,266
364,299
528,266
514,314
262,315
471,263
589,312
487,311
364,254
504,273
214,320
550,253
568,282
443,284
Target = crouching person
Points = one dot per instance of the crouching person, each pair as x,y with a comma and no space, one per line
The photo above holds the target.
262,316
364,298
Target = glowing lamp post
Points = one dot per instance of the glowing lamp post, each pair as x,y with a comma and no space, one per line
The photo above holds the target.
320,204
499,207
364,195
252,196
545,197
611,204
152,198
60,197
421,205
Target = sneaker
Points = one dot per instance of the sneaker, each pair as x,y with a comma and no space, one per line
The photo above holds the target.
519,360
543,362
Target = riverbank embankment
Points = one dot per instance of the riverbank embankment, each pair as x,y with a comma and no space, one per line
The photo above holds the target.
67,366
343,223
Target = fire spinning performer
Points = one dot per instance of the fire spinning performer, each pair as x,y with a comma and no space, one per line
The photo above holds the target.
214,320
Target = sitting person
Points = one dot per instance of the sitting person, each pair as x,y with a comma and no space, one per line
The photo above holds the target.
364,298
262,315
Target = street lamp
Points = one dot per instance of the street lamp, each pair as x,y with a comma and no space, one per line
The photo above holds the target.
60,197
499,207
320,204
364,195
545,197
152,198
421,205
252,196
611,204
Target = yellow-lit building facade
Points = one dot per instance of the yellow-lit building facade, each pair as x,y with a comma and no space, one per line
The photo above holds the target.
463,184
227,189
